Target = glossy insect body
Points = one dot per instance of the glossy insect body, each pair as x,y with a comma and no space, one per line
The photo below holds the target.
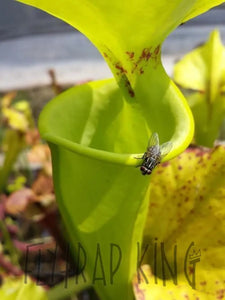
154,154
151,159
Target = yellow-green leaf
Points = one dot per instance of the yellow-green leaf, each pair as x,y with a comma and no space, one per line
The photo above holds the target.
94,130
129,35
186,212
147,289
200,7
203,72
15,119
21,289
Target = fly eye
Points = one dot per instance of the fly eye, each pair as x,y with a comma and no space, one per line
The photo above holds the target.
149,172
142,168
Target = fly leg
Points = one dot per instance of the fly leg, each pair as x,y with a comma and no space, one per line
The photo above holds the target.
142,158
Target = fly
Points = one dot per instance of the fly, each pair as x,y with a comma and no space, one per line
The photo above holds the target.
154,154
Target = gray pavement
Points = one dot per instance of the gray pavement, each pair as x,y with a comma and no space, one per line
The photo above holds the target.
25,61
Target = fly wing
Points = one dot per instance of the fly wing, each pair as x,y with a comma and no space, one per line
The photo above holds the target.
154,141
165,148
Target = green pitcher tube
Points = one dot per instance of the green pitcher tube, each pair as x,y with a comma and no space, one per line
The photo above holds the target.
101,194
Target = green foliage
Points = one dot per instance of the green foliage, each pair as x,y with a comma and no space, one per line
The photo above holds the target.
18,184
93,185
16,121
201,74
95,130
16,288
187,200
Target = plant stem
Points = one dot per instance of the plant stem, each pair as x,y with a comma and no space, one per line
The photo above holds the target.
60,292
9,244
15,143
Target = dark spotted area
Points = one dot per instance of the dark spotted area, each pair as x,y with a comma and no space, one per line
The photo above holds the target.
141,63
130,54
187,204
137,64
120,69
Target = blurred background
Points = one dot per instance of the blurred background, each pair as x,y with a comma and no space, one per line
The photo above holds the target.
33,42
40,56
